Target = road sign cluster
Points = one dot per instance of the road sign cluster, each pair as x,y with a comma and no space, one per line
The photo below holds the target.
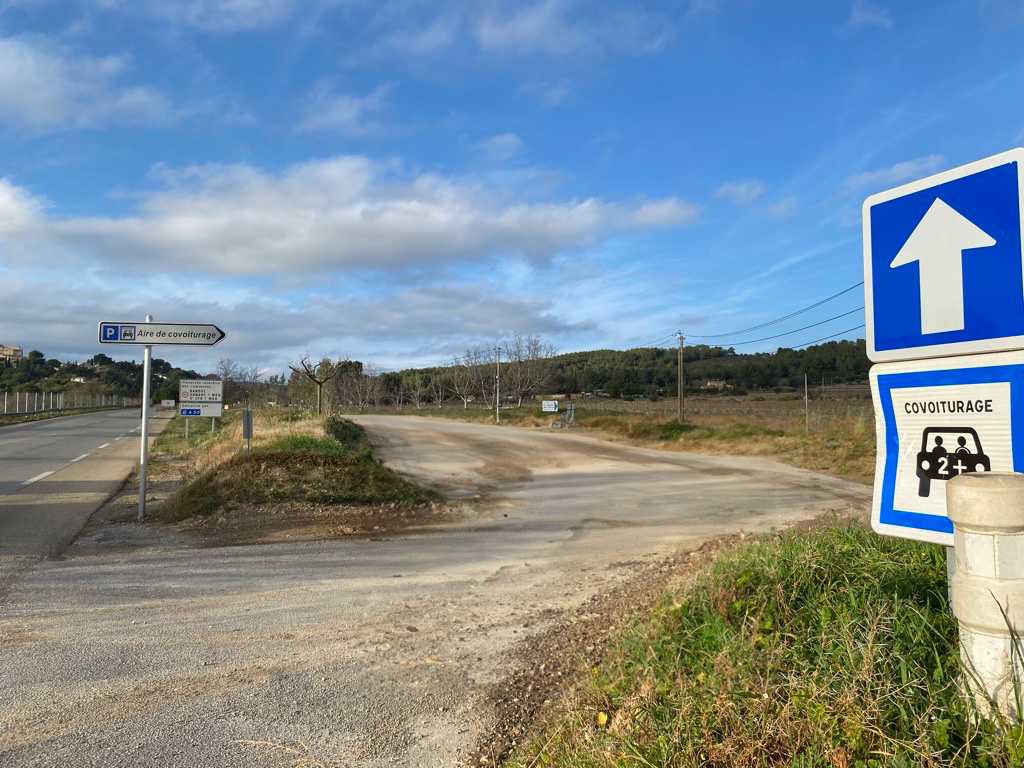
200,397
944,299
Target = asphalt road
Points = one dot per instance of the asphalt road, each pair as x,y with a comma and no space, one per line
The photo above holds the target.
53,475
359,653
29,452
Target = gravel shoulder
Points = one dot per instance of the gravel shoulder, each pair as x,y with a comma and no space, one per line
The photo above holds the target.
400,649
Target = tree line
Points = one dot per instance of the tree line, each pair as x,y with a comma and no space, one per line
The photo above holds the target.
526,366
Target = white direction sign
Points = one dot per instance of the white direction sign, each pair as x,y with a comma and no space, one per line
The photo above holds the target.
200,391
181,334
937,419
202,410
943,269
549,406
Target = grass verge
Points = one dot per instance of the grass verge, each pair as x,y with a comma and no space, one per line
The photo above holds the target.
831,647
304,460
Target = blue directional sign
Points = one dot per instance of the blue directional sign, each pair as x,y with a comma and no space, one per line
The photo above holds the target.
937,419
190,411
943,268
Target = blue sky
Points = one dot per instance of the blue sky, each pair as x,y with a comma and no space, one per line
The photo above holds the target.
397,180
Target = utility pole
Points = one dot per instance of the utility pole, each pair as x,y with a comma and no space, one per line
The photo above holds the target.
681,385
497,385
807,408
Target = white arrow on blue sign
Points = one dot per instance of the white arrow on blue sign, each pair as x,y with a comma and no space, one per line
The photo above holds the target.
943,268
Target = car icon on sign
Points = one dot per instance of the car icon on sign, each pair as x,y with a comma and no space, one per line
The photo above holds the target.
947,452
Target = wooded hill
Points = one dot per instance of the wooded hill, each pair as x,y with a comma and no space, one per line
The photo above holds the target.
100,375
646,371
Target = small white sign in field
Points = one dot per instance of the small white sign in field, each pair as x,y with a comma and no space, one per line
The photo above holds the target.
549,406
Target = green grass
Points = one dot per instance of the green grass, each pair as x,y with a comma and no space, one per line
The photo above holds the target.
171,440
833,647
305,444
346,432
294,467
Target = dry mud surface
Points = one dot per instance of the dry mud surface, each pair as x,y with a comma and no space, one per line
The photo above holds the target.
430,646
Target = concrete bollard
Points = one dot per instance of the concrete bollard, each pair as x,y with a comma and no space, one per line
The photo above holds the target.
987,510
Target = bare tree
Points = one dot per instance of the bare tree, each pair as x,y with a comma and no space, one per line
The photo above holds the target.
239,380
366,387
462,378
416,387
527,368
482,361
438,386
319,374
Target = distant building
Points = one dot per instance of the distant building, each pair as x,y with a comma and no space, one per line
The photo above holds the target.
718,384
11,354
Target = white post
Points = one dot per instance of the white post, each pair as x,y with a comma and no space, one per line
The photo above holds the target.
497,385
186,429
147,359
987,586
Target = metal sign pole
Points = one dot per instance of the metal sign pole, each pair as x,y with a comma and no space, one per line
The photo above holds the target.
147,360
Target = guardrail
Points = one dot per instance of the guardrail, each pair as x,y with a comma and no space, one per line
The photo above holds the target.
27,403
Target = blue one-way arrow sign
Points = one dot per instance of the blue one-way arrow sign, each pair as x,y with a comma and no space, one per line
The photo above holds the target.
943,263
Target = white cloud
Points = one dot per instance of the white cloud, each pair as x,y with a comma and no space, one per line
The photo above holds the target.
549,93
864,13
331,215
504,146
784,208
43,88
549,27
213,15
670,211
19,210
343,113
895,174
741,191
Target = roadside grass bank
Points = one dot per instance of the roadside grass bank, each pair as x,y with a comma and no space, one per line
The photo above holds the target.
840,441
304,470
6,420
829,647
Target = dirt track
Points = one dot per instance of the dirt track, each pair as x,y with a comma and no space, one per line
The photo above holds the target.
370,653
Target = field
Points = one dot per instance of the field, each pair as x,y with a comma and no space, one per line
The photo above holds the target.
837,438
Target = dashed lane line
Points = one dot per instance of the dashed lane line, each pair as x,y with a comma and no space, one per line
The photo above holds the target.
105,445
83,456
39,477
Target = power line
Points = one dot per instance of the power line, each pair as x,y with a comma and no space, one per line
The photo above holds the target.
655,342
826,338
777,320
795,330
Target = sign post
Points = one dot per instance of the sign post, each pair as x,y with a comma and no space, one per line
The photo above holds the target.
147,364
148,334
944,306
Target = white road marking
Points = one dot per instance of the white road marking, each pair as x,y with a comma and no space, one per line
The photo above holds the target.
103,446
38,477
83,456
117,438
